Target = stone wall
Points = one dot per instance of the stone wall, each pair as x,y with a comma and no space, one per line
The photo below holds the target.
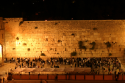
2,39
62,37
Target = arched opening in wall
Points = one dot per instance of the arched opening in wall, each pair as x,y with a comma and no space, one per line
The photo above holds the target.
0,53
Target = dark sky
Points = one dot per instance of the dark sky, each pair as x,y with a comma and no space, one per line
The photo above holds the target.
63,9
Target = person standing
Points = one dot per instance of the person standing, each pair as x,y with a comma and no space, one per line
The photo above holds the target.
56,78
117,74
75,65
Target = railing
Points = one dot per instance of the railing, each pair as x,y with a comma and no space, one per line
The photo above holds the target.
65,77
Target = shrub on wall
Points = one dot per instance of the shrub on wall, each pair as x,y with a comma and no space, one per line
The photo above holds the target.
28,49
73,54
36,27
14,48
80,44
93,43
24,44
108,44
86,40
17,38
50,48
59,41
56,23
73,34
42,54
84,47
94,28
110,54
20,23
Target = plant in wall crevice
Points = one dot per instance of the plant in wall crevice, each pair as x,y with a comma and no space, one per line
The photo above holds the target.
93,43
73,34
80,44
46,39
110,54
17,38
36,27
14,48
50,48
108,44
28,49
56,23
21,23
42,54
86,40
94,28
59,41
24,44
73,53
84,47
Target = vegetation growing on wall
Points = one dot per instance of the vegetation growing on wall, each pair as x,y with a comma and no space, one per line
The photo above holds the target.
50,48
110,54
42,54
80,44
56,23
73,53
93,43
86,40
108,44
28,49
24,44
84,47
46,39
14,48
20,23
59,41
17,38
73,34
36,27
94,28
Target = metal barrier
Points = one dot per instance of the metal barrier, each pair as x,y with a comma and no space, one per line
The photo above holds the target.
66,77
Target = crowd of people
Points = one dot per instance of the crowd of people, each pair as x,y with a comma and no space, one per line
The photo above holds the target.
106,64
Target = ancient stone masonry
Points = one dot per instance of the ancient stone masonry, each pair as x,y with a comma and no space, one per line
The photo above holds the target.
66,38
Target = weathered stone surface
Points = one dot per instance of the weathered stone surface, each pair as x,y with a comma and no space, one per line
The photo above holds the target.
60,35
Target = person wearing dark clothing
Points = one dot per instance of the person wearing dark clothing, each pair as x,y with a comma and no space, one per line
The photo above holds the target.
116,76
75,64
65,61
22,64
31,63
29,73
56,78
28,64
41,81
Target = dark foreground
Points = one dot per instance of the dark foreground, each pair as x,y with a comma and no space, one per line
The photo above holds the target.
63,81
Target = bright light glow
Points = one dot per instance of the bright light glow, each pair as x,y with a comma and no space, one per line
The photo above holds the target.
17,43
0,51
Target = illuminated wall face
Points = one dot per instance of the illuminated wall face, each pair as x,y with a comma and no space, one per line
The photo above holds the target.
0,53
62,38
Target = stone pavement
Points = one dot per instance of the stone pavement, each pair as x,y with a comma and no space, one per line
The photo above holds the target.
7,66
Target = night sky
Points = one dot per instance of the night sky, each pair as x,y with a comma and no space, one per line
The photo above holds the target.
63,9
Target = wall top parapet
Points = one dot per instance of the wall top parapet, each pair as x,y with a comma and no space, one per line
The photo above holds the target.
1,18
12,19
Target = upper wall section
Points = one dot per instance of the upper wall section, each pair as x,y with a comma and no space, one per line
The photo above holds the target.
62,37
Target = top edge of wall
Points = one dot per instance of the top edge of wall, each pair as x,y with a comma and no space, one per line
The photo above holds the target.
1,18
